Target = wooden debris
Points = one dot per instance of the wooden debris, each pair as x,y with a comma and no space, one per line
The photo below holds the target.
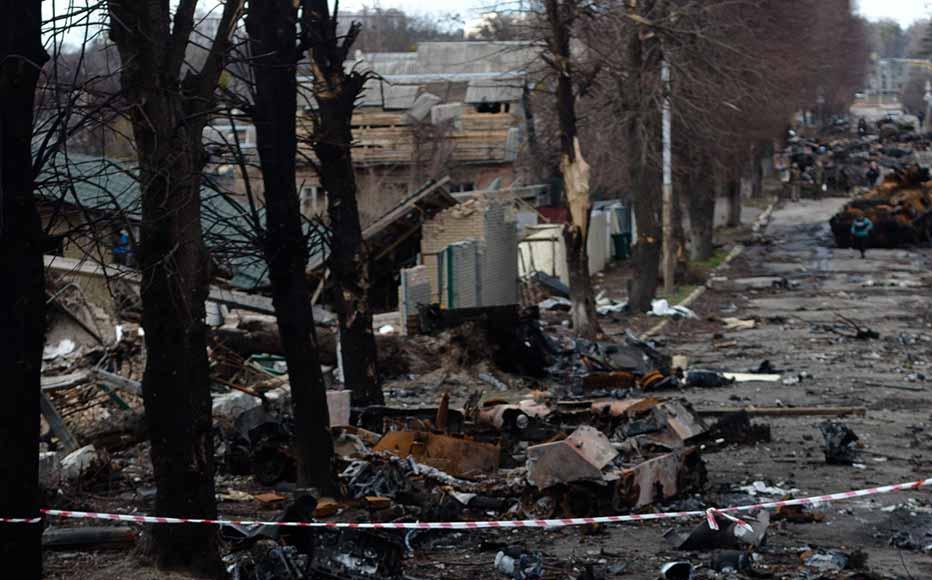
69,443
376,503
326,507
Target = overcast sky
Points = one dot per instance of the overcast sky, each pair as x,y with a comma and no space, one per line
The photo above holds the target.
903,11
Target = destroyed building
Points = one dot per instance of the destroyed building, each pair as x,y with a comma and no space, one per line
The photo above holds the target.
447,109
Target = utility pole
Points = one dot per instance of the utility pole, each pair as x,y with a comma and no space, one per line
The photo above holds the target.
667,182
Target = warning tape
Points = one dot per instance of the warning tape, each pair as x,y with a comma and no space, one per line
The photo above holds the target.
478,525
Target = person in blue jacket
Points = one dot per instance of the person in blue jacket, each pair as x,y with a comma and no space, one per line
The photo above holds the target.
122,250
861,230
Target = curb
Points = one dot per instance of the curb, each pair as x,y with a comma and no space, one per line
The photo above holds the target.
760,223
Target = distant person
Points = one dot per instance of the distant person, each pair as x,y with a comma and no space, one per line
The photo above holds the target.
122,252
873,174
862,127
818,177
861,230
795,175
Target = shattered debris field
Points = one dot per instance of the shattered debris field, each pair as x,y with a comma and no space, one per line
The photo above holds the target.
805,372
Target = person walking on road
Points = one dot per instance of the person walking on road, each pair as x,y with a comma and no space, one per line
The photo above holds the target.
861,230
873,173
795,175
818,176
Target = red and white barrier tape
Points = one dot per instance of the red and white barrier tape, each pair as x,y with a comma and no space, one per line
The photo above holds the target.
552,523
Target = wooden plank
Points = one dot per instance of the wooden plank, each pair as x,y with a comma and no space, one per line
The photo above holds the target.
64,381
787,411
68,442
117,382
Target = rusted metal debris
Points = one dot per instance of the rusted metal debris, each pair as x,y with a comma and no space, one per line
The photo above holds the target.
660,478
512,417
457,456
579,457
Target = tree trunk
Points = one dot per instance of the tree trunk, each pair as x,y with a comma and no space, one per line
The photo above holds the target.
646,255
349,258
22,298
575,170
758,152
680,255
168,115
644,171
335,91
702,208
733,191
272,28
176,391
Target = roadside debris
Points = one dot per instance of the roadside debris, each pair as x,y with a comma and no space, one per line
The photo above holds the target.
676,571
842,446
516,563
579,457
730,532
731,561
662,308
833,560
87,537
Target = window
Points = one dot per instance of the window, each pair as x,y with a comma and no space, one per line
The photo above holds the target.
309,199
492,108
461,187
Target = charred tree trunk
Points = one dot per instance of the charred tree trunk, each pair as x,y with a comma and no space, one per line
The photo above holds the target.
733,192
168,115
642,126
702,207
758,152
272,28
22,298
176,389
335,91
680,255
575,170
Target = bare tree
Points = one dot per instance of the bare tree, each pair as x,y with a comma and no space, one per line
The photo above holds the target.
169,107
560,17
22,299
273,35
335,92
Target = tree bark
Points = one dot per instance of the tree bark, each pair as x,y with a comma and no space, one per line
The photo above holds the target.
642,125
575,170
702,208
272,28
335,91
22,298
733,191
168,116
680,254
176,389
758,152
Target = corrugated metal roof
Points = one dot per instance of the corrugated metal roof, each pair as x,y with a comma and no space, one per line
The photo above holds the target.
378,93
494,91
398,97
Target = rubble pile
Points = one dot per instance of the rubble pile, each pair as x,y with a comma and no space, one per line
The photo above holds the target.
900,209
